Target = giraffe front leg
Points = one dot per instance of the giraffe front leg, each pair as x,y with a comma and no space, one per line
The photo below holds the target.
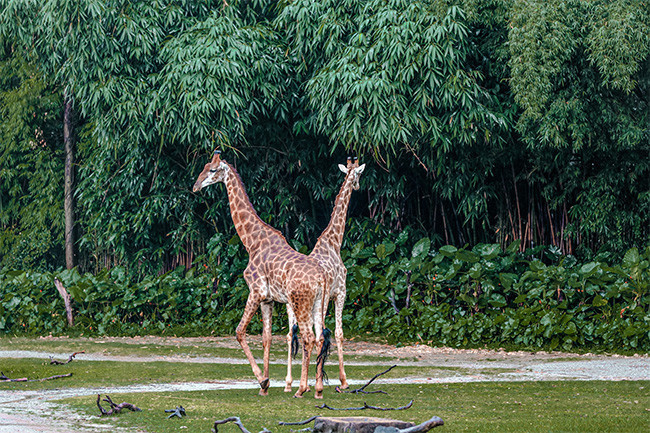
338,334
267,313
292,347
249,311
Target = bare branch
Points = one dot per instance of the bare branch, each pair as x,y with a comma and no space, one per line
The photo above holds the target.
237,421
361,390
70,358
307,421
366,406
115,408
4,378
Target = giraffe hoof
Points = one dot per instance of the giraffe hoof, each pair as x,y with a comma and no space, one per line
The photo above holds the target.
264,385
318,395
287,388
297,395
263,392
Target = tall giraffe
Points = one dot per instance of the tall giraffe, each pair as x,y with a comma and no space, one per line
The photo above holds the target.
275,272
328,253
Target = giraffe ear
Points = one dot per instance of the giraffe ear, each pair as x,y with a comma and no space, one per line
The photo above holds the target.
343,168
361,168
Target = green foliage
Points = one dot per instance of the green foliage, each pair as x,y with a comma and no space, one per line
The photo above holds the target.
30,210
398,289
387,75
498,120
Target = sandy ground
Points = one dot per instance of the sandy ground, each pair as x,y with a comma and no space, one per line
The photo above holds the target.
36,411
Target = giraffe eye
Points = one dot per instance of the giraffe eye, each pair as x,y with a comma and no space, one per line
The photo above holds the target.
214,170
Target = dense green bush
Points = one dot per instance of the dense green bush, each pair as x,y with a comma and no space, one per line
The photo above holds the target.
465,297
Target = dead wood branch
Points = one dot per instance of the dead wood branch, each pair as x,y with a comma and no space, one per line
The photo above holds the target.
237,421
4,378
66,300
366,406
362,389
307,421
179,412
424,427
70,358
115,408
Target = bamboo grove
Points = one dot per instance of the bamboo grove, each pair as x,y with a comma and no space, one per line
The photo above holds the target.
481,121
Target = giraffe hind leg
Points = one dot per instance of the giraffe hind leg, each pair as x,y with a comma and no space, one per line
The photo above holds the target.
292,347
308,342
267,313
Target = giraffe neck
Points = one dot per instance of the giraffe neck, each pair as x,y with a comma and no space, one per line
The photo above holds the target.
332,236
251,229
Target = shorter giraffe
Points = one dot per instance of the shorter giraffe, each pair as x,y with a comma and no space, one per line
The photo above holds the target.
328,253
275,273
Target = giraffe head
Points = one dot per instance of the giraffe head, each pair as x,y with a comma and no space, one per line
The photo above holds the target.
353,171
214,171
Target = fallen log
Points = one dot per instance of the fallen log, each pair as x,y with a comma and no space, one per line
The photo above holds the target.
356,424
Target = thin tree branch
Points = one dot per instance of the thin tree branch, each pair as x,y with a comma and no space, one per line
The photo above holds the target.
70,358
366,406
361,390
4,378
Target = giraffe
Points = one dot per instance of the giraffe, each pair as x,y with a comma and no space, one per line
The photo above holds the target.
328,253
275,272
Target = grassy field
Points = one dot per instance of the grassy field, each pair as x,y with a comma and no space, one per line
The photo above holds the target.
113,373
567,406
477,407
156,347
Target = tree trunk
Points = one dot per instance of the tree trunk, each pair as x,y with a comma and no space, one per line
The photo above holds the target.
68,204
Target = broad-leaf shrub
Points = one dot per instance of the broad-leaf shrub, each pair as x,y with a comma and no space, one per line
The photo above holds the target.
485,295
404,291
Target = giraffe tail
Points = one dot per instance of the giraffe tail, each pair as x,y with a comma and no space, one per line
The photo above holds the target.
325,350
294,341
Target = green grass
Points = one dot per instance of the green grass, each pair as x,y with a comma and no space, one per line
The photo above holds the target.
113,373
481,407
152,347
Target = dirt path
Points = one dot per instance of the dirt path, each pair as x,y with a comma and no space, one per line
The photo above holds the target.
36,411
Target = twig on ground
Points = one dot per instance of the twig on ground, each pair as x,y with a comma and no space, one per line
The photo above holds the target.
237,421
366,406
70,358
115,408
362,389
4,378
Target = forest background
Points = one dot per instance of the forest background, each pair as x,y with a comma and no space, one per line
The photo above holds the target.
507,144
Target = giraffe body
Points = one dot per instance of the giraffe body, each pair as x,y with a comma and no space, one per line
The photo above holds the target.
328,254
275,273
